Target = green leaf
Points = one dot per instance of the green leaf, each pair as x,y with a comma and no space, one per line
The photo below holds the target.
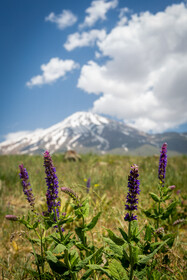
124,234
83,263
166,197
51,257
171,206
87,274
74,258
166,191
59,249
154,197
65,221
34,240
100,268
92,224
145,259
35,225
117,271
80,246
171,239
135,236
117,240
149,214
85,208
148,233
80,233
135,251
55,264
125,256
117,250
169,210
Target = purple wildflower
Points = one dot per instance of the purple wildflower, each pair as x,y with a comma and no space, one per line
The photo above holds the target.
88,184
52,183
11,217
134,190
162,164
160,230
172,187
72,194
179,221
26,185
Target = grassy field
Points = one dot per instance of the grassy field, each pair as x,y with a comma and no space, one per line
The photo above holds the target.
109,175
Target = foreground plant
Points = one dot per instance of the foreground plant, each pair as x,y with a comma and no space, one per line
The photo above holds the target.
160,210
127,257
132,201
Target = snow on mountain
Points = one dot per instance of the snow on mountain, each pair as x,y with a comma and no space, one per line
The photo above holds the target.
82,131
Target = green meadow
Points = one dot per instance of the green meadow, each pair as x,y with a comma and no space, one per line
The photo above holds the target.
109,178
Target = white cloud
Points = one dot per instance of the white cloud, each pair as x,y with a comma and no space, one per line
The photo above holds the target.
17,135
98,10
122,16
63,20
52,71
144,82
84,39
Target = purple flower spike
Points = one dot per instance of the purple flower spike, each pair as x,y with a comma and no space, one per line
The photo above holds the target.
88,184
26,185
11,217
162,164
172,187
52,183
72,194
134,190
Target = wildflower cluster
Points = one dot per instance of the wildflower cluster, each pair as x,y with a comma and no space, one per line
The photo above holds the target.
26,185
71,255
134,190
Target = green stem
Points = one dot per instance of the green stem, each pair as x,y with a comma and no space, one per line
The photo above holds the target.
73,276
59,228
158,220
36,259
84,238
130,252
41,242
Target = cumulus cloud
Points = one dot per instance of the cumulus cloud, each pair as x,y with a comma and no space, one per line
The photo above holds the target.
98,10
144,82
84,39
52,71
63,20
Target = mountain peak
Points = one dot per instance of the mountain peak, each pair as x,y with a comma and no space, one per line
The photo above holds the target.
84,132
85,118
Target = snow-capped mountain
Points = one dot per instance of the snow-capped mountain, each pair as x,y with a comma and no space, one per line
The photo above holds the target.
82,131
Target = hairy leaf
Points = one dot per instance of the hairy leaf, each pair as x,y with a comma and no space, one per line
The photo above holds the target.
117,271
117,240
154,197
92,224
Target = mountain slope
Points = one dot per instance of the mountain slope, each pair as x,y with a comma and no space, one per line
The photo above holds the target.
85,131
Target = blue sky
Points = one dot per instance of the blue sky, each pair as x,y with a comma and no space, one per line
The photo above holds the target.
124,59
